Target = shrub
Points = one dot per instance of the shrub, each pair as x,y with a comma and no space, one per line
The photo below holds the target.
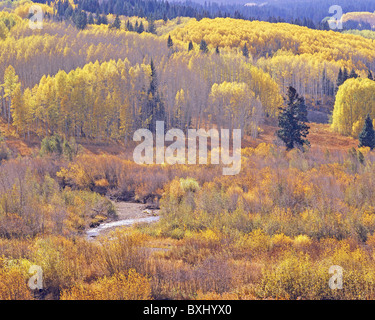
129,286
294,277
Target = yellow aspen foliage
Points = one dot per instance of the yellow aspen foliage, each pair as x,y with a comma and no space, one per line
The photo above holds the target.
18,110
354,101
3,31
294,277
13,285
270,37
234,105
280,240
13,280
257,241
22,10
368,17
130,286
302,242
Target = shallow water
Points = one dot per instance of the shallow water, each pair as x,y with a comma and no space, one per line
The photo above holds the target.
94,232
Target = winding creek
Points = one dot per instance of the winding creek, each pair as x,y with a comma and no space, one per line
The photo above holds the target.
128,214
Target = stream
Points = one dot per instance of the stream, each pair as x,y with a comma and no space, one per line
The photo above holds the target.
128,213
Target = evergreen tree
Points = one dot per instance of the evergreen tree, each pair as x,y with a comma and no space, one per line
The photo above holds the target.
190,47
104,19
292,121
340,78
117,23
367,136
353,74
99,19
129,26
91,19
141,28
154,81
154,107
345,75
169,42
68,13
151,26
245,51
203,46
369,75
81,20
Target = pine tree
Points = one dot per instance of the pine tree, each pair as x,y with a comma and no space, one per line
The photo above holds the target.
91,19
169,42
369,75
99,19
292,121
353,74
104,19
340,78
151,26
154,107
117,23
245,51
81,20
345,75
141,28
153,83
190,47
129,26
367,136
203,46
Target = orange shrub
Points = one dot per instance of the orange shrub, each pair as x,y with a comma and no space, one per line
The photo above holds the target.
130,286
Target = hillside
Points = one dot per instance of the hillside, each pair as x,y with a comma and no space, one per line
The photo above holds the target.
289,53
104,195
363,20
320,137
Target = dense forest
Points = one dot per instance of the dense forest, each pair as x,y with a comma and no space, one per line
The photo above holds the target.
73,93
309,13
315,11
59,95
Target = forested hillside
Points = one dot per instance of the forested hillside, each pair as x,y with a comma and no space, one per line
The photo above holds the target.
309,60
309,13
278,56
359,20
38,98
73,93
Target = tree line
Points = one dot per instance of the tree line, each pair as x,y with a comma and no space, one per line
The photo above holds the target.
155,9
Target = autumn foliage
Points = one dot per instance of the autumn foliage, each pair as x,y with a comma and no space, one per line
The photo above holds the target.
73,98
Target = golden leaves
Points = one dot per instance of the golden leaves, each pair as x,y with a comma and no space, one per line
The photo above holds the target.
354,100
131,286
